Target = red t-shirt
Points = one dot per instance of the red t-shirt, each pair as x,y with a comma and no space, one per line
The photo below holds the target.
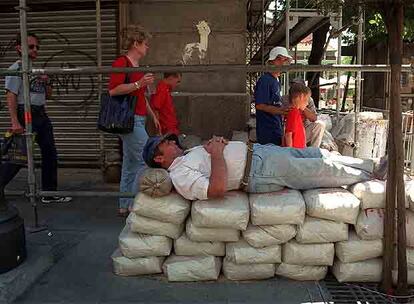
162,102
119,78
294,124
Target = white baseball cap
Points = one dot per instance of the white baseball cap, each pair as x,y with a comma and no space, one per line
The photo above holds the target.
279,51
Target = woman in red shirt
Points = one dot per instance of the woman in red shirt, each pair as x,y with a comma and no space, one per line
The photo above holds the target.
295,135
135,40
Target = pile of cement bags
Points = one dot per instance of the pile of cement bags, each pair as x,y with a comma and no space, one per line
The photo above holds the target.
289,233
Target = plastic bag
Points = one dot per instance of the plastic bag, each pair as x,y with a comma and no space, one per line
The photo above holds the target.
371,193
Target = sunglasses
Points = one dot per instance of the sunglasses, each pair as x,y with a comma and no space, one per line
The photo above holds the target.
33,46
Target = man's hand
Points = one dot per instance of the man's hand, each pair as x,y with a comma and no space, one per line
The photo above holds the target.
216,145
17,128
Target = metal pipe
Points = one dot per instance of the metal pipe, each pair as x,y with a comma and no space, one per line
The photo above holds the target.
262,40
358,80
99,62
214,68
372,68
31,178
287,20
338,74
86,193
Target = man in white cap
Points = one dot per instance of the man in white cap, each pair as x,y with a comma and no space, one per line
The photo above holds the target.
269,110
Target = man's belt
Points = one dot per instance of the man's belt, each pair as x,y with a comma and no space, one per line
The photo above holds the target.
245,181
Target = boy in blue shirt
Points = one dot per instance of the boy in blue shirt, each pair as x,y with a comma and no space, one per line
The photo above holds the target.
269,110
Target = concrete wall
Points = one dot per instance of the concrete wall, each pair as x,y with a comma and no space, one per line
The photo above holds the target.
172,24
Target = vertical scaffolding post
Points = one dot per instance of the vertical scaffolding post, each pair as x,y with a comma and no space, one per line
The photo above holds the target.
99,62
338,61
27,109
262,40
287,18
359,79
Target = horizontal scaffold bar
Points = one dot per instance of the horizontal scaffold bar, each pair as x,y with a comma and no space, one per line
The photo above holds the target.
215,68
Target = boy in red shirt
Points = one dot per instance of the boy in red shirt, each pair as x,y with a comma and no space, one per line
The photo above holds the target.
295,135
162,103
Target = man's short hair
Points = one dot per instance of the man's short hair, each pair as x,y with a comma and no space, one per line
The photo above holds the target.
297,89
173,74
29,34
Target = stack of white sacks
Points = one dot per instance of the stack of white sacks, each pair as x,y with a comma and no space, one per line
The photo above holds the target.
257,236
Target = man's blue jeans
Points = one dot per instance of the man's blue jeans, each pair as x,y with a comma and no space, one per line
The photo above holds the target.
132,164
274,168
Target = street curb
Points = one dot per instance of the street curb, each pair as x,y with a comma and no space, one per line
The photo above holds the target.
15,282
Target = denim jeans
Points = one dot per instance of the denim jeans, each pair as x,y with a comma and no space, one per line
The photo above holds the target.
132,164
43,128
274,168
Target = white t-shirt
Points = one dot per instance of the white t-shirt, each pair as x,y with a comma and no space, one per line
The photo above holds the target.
190,173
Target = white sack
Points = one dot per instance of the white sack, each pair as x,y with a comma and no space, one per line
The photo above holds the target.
194,268
357,249
135,245
409,226
370,224
364,271
336,204
301,272
242,253
198,234
326,118
237,272
172,208
184,246
410,277
328,142
231,211
316,230
409,194
277,208
370,193
308,254
124,266
262,236
410,259
146,225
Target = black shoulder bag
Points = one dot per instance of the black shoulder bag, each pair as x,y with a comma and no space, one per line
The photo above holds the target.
116,113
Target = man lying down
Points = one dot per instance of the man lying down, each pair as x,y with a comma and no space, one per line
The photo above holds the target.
209,171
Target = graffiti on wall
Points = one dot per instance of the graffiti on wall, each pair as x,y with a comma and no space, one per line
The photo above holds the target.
196,52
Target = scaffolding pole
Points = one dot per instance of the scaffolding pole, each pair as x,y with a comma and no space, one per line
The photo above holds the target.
99,62
338,74
373,68
287,18
359,79
31,178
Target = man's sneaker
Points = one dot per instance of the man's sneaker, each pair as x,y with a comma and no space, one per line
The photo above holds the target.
55,199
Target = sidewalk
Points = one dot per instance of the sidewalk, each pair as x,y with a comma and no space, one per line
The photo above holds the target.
83,234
